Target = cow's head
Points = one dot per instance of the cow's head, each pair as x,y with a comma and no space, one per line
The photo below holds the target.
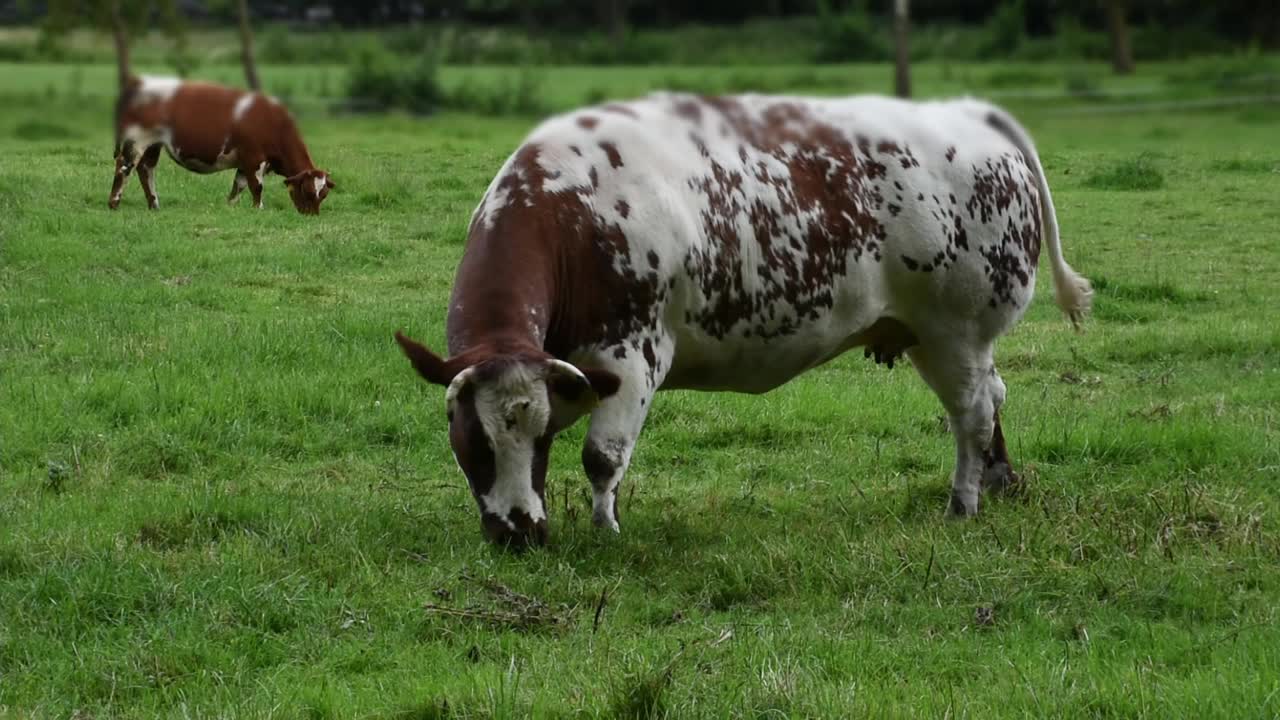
504,410
308,189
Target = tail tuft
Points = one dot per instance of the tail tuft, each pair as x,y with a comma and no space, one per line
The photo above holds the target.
1073,294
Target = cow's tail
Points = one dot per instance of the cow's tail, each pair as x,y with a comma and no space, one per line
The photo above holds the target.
1071,290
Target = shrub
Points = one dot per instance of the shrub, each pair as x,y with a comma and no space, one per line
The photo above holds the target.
519,96
381,81
1081,83
849,36
1004,32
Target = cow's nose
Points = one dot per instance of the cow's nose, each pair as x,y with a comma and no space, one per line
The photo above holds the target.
523,535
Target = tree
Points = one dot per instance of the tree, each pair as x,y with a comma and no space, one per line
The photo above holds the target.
116,17
613,16
1118,30
901,48
246,48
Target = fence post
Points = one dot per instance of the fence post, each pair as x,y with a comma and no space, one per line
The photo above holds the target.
902,48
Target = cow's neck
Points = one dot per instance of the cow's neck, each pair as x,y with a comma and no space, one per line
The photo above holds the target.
503,297
294,157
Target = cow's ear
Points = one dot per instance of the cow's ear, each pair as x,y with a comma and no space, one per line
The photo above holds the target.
430,366
574,392
328,182
295,179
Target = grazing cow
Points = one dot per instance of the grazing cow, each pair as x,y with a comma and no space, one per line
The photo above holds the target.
732,244
207,128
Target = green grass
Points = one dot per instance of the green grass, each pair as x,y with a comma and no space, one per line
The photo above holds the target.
223,492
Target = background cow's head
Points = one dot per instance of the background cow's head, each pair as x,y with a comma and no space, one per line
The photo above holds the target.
308,189
504,410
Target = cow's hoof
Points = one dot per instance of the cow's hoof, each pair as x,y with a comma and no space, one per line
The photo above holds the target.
958,509
605,521
999,478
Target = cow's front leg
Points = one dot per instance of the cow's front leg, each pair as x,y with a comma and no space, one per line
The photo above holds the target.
616,423
254,174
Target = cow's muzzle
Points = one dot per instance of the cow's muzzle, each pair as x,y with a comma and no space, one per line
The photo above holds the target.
525,533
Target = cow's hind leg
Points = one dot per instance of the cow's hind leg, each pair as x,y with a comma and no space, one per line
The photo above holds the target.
126,159
964,378
147,175
237,186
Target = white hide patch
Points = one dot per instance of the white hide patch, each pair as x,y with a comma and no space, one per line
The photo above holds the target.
156,89
319,185
143,138
260,173
242,106
514,411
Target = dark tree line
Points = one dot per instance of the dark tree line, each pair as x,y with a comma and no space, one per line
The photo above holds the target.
1241,20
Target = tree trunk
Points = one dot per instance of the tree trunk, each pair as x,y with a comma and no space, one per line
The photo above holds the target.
528,18
121,37
902,48
665,16
1118,29
613,16
246,49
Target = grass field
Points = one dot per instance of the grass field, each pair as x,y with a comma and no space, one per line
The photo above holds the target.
224,493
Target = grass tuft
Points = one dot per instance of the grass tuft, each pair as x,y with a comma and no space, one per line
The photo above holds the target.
38,130
1162,291
641,693
1134,174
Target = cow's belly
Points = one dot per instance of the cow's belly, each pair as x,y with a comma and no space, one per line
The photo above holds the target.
775,344
202,150
743,365
224,160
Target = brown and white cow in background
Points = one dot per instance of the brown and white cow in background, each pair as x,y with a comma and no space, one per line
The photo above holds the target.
732,244
207,128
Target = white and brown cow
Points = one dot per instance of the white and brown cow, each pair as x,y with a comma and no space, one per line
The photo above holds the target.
208,128
732,244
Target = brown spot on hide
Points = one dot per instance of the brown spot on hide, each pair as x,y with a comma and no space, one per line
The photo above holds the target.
588,122
620,109
688,109
1005,187
622,207
611,151
599,465
826,182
